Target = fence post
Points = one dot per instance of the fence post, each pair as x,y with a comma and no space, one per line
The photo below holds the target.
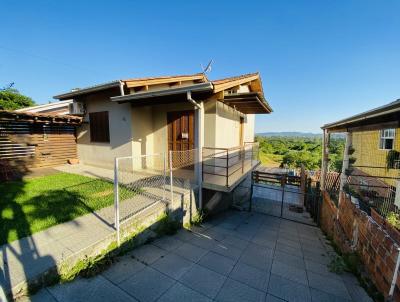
283,181
171,178
165,174
395,273
251,189
116,200
227,168
316,201
243,151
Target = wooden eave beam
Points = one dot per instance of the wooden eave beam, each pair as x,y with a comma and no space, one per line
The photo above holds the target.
230,84
150,82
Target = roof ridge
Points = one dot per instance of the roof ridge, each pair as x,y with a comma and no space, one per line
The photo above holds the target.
165,77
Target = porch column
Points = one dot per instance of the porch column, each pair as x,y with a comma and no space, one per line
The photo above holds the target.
345,165
199,142
325,157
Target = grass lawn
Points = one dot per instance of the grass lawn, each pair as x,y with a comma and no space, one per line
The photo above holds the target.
31,205
270,160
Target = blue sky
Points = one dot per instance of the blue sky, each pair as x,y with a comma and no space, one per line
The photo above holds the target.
319,60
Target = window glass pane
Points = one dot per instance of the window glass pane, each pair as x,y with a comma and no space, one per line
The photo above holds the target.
389,144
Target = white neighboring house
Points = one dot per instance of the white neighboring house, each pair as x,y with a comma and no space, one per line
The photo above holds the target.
58,108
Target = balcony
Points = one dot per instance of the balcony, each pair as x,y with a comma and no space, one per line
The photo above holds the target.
225,168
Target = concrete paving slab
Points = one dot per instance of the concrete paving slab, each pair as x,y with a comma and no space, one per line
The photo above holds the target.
217,263
168,243
227,251
257,256
250,276
235,242
289,272
89,290
147,285
289,259
288,290
271,298
181,293
321,296
172,265
289,250
190,252
203,280
234,291
122,269
321,269
148,253
328,285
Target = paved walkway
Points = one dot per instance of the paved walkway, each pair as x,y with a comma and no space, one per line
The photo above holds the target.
28,258
237,257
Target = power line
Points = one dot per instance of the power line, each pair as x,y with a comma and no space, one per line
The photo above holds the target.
50,60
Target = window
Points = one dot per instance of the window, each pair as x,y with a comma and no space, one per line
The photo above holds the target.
99,128
386,140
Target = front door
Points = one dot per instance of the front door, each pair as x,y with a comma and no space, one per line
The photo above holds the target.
180,130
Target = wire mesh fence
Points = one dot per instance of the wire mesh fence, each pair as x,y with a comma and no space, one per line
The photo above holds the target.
373,171
184,168
140,182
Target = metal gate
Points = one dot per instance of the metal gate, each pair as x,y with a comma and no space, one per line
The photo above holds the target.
285,196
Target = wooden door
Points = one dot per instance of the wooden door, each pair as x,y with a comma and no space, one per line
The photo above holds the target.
180,130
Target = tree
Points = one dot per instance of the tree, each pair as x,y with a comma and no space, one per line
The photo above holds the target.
11,99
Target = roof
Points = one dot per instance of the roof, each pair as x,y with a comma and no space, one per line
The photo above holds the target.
178,85
230,82
235,78
47,107
164,79
6,115
80,91
384,113
134,82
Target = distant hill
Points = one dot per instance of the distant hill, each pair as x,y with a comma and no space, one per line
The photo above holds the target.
290,134
298,134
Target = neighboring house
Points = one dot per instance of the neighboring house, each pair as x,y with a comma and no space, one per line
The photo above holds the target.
141,116
58,108
33,140
373,141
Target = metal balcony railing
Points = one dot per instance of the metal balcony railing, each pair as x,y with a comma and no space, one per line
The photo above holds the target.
225,166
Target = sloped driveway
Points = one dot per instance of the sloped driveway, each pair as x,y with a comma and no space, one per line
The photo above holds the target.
237,257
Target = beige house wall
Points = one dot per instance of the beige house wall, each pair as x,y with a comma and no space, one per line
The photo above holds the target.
136,131
227,130
120,121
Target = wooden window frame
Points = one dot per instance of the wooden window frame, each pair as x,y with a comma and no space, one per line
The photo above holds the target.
99,127
383,137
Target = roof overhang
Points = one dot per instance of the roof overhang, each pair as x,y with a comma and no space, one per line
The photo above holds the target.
13,116
248,102
83,91
162,95
381,117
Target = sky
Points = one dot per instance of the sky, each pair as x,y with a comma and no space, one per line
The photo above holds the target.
319,61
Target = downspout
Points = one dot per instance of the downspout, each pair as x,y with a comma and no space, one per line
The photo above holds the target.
121,88
199,144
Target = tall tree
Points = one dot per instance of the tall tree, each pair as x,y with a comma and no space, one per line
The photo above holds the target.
11,99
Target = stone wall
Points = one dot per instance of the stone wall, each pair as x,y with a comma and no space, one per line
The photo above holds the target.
355,231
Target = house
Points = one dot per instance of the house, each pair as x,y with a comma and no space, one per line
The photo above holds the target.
371,158
58,108
140,116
